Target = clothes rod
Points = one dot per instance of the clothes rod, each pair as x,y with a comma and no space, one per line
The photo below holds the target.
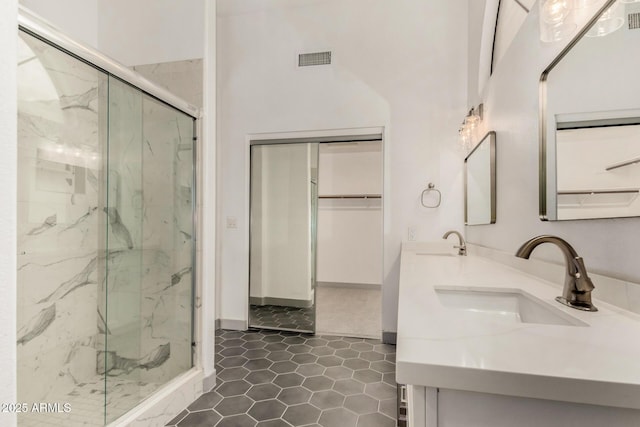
351,196
561,193
625,163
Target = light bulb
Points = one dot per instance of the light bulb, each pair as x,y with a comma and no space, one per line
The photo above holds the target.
610,20
582,4
554,12
557,20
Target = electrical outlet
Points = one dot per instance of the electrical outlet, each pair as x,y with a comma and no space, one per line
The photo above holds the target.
411,233
232,222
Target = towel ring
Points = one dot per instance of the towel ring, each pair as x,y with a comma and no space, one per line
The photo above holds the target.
426,191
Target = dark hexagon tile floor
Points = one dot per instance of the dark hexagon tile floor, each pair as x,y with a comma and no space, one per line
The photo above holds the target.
280,317
288,379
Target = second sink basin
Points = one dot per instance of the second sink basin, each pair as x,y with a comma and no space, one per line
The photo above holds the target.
512,305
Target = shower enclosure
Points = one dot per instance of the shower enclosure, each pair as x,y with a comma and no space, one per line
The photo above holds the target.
105,238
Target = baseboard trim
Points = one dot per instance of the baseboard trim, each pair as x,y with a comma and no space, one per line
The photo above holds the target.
284,302
345,285
232,324
389,337
165,403
347,334
208,383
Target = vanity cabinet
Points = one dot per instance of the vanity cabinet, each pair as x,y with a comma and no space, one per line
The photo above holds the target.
432,407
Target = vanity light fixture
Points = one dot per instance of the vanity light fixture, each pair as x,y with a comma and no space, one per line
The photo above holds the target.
579,4
557,20
611,20
469,125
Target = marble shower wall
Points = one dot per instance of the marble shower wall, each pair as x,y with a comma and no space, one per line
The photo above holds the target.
184,78
105,250
59,220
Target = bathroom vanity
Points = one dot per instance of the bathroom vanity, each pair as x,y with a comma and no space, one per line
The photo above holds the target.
477,335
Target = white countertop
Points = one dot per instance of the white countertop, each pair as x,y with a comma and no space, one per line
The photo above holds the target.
447,348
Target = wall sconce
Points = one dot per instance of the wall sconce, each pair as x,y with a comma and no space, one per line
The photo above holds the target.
469,125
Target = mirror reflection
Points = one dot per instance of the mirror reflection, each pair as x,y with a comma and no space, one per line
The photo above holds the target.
283,239
480,182
590,123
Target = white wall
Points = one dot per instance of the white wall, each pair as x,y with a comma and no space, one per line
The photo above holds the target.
8,203
131,32
207,201
397,64
350,230
511,103
348,169
510,18
78,18
151,31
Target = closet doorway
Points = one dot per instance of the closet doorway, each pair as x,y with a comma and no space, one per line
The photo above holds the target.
316,235
349,285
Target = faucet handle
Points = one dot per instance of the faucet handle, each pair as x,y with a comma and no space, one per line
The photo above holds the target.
462,249
583,281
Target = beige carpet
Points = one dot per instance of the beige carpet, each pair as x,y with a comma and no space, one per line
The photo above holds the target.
348,312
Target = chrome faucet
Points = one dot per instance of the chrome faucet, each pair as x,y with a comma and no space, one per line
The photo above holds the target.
462,248
577,284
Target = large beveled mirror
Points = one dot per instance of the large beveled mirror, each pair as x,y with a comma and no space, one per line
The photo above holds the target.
590,121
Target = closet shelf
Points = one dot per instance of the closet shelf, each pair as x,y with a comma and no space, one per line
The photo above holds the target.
622,197
350,196
594,192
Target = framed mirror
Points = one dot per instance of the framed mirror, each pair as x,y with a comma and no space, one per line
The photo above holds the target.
590,121
480,183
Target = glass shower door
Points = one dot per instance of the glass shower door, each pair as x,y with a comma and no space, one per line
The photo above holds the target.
124,263
150,250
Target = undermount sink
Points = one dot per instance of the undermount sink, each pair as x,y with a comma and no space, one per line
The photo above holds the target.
509,305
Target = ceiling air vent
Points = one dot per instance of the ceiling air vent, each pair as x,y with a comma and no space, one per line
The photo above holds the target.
316,58
634,21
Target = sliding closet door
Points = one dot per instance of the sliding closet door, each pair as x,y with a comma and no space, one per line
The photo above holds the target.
282,249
